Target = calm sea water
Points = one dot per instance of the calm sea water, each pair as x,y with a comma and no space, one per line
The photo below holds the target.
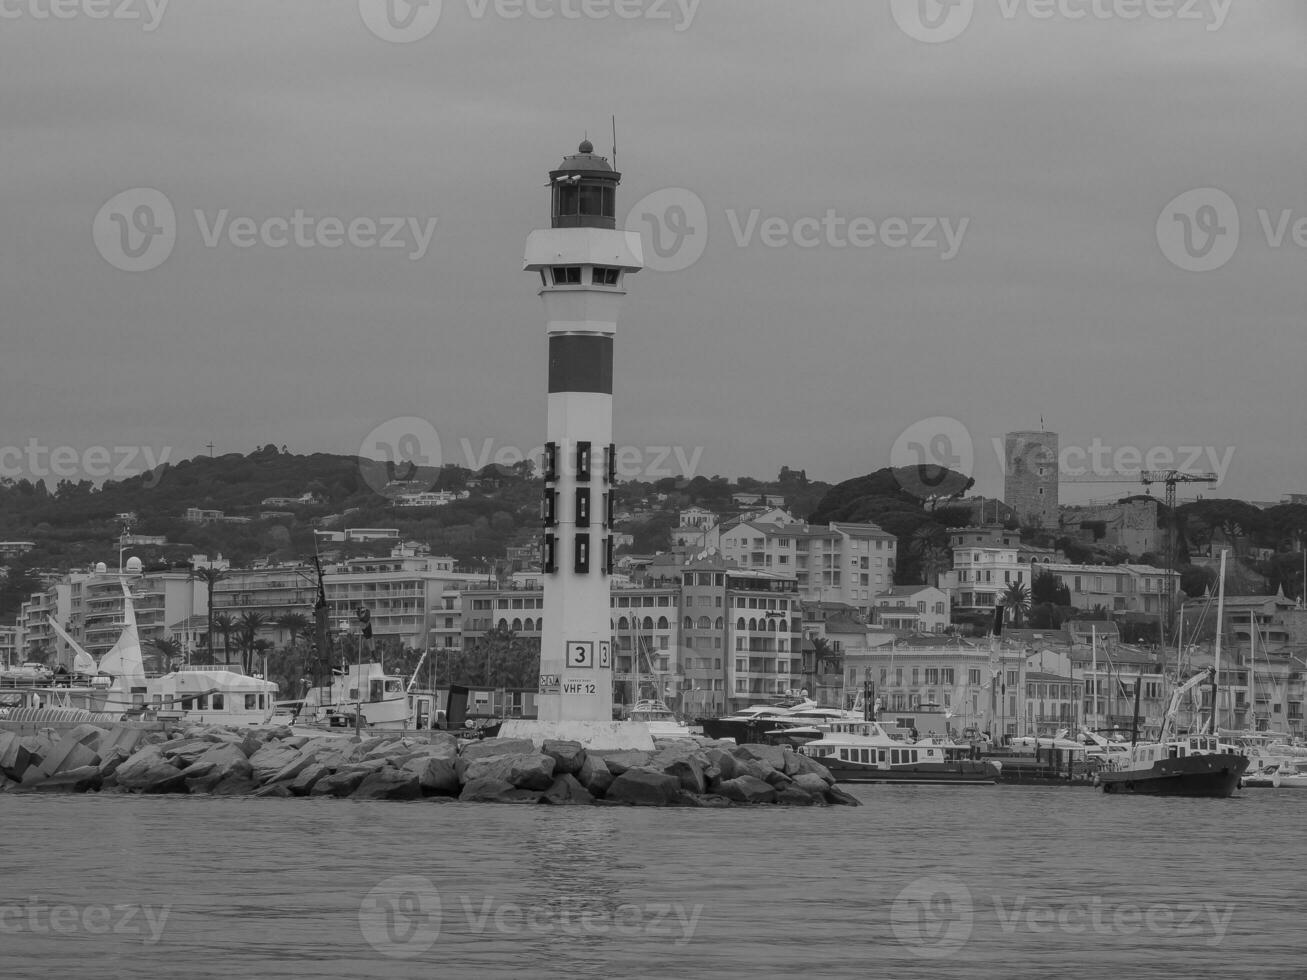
926,882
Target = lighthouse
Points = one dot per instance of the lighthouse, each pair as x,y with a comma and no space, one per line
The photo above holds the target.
582,261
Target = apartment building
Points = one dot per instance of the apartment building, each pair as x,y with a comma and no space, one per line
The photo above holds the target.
915,608
9,646
986,561
401,593
838,562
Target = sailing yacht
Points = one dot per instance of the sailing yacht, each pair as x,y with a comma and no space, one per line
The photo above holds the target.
117,686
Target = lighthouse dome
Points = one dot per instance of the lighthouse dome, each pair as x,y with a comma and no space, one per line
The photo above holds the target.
585,159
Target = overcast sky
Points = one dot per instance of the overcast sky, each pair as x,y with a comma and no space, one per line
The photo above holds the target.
1031,159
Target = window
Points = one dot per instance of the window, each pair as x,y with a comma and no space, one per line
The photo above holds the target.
583,507
218,701
606,275
973,675
581,563
567,275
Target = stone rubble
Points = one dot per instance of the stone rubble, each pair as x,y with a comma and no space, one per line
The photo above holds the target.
217,761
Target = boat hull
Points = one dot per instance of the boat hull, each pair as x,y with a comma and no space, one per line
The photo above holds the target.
1214,776
966,772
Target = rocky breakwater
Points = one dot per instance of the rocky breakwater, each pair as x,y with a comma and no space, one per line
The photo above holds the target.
276,762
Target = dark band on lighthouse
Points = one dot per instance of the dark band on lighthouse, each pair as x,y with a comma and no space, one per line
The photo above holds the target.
580,362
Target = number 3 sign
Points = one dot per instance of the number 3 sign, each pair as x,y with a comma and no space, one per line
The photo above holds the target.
580,653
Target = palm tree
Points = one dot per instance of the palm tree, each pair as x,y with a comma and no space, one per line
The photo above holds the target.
296,624
260,649
166,650
827,656
225,625
247,631
935,561
1016,600
210,576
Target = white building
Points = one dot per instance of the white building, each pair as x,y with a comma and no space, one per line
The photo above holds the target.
919,608
839,562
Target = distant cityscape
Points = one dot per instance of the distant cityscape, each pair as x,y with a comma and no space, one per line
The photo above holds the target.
746,602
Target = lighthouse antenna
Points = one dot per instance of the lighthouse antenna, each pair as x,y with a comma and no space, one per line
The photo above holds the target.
614,142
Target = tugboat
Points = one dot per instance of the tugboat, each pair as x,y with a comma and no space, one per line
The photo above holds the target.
1174,765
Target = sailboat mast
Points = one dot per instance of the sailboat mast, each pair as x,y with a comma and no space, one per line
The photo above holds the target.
1220,611
1093,670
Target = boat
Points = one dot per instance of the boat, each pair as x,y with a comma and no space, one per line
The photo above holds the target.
864,752
1282,775
1196,764
750,725
660,719
117,688
365,696
1177,765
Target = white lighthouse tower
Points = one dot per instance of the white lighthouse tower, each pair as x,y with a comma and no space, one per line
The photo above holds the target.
583,261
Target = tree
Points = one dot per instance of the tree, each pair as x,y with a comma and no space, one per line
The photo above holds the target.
1016,601
1047,589
295,624
247,631
225,625
829,660
210,576
167,651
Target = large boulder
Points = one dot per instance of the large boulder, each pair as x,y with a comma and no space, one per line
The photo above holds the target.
435,775
722,765
497,791
809,766
689,773
121,737
793,796
302,785
644,787
339,784
271,759
620,761
147,771
15,756
83,780
182,752
567,791
772,756
811,784
487,747
568,756
838,797
747,789
535,772
222,758
388,784
594,776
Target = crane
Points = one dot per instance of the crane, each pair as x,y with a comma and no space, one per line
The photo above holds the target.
1169,479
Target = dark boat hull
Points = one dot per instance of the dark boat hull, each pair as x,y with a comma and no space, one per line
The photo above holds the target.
1213,776
968,772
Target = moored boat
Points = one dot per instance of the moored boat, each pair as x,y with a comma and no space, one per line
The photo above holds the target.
1177,765
863,752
